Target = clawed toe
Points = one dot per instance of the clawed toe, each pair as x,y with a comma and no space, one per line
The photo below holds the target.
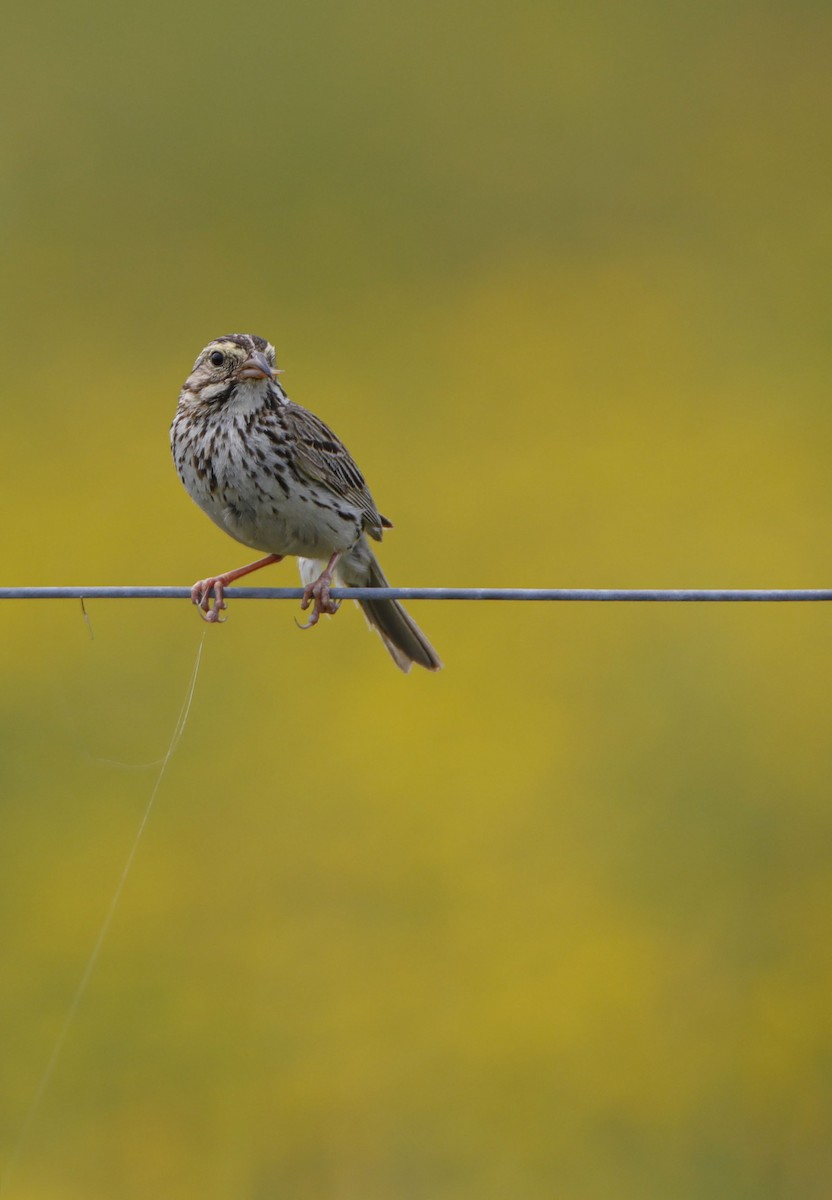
212,615
317,594
216,584
201,594
314,616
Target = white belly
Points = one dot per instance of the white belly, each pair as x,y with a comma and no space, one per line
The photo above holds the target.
276,514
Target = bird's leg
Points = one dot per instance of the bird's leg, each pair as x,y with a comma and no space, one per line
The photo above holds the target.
202,589
319,592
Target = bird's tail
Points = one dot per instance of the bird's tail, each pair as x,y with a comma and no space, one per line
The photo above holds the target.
399,632
401,635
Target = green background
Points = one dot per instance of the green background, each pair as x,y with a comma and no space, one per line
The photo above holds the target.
555,922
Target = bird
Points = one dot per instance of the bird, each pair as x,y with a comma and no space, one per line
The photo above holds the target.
276,478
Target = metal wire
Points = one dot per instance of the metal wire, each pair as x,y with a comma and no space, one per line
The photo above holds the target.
391,593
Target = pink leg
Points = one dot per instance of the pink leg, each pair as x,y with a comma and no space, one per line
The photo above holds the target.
202,589
319,592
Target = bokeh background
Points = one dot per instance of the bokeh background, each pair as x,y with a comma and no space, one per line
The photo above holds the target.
554,922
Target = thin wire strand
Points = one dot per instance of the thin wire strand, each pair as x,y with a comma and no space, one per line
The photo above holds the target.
697,595
86,975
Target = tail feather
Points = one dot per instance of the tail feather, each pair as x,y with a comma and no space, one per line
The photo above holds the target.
403,638
401,635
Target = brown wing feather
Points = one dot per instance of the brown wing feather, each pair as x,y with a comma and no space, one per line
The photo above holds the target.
323,458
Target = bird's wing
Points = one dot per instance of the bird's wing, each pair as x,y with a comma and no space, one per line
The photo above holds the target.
323,458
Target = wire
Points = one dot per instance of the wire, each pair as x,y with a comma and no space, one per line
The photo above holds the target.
696,595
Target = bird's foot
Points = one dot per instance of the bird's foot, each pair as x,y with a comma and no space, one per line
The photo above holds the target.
203,591
317,594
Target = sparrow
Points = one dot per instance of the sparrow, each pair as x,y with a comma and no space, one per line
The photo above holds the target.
277,479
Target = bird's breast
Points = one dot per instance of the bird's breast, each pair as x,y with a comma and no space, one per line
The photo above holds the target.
240,472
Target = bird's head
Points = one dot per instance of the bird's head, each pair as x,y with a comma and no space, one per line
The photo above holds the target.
228,361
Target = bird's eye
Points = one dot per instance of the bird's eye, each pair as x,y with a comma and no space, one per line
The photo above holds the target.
217,358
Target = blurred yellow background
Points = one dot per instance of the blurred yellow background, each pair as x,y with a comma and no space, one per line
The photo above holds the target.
555,922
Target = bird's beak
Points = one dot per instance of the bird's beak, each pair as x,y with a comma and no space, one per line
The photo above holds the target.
256,366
